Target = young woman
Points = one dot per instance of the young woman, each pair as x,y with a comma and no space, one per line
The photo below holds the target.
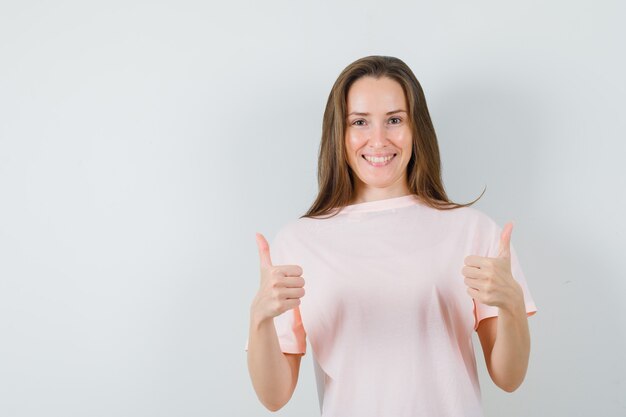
397,276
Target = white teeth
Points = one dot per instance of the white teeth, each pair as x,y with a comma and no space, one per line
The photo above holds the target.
378,159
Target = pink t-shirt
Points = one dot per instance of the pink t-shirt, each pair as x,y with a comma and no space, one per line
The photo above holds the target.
386,311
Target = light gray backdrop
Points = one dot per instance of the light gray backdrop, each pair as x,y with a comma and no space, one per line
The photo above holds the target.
142,144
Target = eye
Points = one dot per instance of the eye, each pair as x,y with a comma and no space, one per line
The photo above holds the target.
395,120
359,122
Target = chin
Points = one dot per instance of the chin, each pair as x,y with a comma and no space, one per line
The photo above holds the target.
375,182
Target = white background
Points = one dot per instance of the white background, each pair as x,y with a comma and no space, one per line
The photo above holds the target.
142,144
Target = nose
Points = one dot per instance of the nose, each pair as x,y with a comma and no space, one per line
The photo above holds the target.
378,135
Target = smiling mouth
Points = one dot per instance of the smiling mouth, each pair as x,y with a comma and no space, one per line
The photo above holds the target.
379,161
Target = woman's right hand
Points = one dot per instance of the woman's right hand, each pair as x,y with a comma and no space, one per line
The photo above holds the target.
281,288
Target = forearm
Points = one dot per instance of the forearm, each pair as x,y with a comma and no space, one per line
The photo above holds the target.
511,349
268,367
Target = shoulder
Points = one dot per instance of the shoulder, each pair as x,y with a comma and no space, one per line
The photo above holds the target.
295,228
472,217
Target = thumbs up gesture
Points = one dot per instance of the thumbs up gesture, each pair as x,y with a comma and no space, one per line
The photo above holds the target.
281,288
490,281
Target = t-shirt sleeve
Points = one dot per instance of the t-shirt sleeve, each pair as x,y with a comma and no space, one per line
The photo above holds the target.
289,328
483,311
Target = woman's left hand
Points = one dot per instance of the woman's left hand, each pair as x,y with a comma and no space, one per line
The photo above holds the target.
490,281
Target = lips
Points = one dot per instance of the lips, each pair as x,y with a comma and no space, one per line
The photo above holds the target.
379,155
379,160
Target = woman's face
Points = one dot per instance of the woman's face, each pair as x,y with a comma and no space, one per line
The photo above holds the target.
378,137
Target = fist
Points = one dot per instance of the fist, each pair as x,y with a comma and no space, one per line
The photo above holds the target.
281,287
490,281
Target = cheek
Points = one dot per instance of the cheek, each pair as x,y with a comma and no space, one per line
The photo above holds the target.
405,141
354,142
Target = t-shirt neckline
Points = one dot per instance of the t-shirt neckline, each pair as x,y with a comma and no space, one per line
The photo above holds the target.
384,204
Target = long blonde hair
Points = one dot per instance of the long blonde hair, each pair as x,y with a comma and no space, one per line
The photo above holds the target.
334,175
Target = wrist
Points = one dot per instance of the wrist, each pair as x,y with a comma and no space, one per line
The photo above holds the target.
257,320
516,307
514,303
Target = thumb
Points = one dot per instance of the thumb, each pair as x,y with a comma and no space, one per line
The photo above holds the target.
505,241
264,250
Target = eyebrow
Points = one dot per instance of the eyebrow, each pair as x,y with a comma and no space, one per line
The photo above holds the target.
367,114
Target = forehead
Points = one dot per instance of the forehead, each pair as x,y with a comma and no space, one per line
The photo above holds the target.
369,95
